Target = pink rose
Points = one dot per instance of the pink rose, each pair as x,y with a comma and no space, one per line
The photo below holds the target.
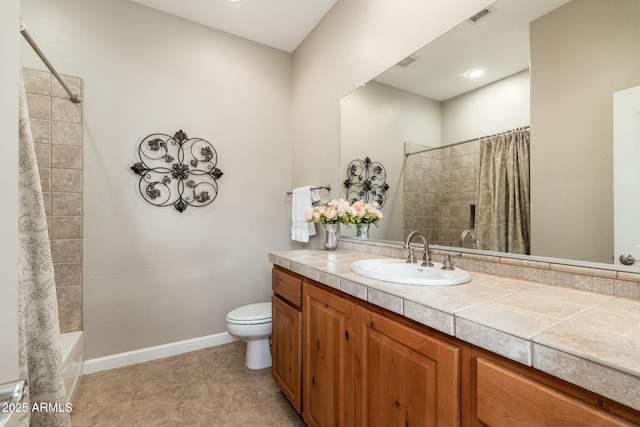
316,215
331,213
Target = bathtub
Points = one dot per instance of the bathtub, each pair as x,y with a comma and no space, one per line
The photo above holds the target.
71,344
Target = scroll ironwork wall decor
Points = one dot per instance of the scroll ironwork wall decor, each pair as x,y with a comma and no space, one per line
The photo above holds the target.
366,180
177,170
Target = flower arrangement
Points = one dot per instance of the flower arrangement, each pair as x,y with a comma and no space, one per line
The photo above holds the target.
364,213
339,211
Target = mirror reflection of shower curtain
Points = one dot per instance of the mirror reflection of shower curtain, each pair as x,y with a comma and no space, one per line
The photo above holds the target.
503,209
39,355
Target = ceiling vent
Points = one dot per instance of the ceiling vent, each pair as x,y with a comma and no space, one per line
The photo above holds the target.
408,60
482,14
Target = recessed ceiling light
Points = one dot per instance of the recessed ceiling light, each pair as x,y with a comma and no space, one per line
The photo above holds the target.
473,74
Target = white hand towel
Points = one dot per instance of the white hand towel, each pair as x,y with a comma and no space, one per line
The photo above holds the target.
301,200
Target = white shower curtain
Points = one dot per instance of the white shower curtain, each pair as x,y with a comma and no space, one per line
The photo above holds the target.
40,358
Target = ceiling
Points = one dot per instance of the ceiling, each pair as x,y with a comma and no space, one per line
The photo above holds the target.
282,24
498,43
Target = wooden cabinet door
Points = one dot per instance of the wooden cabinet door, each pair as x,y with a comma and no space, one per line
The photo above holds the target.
506,398
403,376
286,351
327,358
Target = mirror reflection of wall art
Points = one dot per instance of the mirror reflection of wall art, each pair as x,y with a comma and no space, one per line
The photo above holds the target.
366,180
177,170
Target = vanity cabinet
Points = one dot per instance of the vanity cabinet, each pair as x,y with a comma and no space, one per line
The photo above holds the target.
286,338
342,361
404,377
505,393
328,358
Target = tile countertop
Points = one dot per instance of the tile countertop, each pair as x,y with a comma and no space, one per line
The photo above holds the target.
588,339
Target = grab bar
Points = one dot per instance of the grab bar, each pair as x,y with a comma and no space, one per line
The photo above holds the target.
11,395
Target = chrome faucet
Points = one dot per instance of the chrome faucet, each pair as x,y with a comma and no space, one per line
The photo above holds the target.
426,259
466,232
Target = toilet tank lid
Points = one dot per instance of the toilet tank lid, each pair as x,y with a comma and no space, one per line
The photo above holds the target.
259,311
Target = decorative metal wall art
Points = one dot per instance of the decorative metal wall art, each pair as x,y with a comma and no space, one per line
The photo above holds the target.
366,180
177,170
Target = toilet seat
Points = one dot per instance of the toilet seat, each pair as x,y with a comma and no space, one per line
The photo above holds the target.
252,314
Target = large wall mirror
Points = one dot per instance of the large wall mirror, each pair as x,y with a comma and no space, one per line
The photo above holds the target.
550,70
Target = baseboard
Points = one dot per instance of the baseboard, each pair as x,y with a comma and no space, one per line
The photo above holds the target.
152,353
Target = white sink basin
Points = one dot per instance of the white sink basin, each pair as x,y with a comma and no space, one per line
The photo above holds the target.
399,271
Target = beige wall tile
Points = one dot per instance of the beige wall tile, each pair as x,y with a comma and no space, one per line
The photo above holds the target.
66,227
66,204
570,280
64,110
64,133
69,297
68,274
66,250
45,179
74,83
611,274
41,131
70,320
39,106
66,180
525,263
60,169
43,155
627,276
66,157
36,81
602,285
625,289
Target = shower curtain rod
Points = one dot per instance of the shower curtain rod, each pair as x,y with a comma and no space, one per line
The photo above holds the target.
465,141
74,98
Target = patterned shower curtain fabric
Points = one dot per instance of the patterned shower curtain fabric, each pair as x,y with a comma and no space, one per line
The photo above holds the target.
503,211
40,357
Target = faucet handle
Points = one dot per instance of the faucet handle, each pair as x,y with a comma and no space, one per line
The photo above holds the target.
411,259
446,264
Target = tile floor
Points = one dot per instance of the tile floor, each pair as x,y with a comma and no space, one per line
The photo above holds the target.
210,387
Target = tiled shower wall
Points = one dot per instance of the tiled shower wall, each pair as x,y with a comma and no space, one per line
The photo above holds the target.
440,187
56,124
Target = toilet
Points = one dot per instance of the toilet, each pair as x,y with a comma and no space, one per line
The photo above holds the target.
252,323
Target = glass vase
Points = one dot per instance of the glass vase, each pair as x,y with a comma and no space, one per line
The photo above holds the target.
362,231
331,236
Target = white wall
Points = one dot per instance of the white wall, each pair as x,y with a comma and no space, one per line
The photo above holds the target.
153,275
9,66
375,121
356,40
494,108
